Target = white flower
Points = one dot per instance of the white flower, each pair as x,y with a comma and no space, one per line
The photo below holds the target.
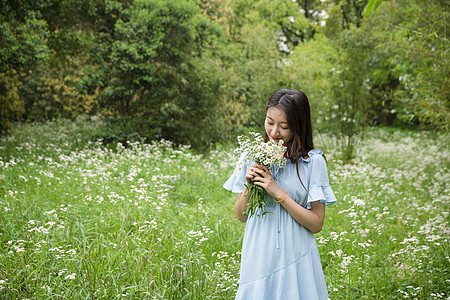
270,154
70,276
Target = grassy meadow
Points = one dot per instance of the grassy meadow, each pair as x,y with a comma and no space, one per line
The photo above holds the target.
151,221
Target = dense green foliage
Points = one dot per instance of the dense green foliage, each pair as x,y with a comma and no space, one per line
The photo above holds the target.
11,107
197,71
151,221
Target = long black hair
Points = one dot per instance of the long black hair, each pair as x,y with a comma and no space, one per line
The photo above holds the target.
295,105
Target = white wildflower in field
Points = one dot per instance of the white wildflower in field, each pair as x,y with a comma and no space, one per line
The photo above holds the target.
47,288
62,272
50,212
70,276
89,206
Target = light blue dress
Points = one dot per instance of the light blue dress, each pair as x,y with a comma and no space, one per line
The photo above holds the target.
280,259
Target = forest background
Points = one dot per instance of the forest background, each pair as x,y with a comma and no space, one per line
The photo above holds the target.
199,72
101,195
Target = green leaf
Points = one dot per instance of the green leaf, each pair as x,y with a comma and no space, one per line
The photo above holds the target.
371,6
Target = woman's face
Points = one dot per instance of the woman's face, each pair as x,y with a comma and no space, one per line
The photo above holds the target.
277,126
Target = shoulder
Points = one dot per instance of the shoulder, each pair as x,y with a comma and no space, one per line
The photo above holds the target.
314,155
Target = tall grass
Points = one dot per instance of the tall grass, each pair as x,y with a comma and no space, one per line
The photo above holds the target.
151,221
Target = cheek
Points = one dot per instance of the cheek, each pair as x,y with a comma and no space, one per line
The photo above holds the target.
288,136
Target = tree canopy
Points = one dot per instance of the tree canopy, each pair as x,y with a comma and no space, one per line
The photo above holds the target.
199,71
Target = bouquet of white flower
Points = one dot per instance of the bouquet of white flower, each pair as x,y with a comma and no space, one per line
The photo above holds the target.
270,154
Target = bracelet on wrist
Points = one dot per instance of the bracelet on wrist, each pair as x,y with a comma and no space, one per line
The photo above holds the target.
279,201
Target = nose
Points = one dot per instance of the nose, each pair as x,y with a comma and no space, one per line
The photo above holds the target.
274,131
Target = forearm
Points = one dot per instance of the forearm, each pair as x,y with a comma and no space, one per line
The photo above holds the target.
241,205
312,218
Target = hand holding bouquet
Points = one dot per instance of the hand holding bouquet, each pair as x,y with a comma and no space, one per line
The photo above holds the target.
270,154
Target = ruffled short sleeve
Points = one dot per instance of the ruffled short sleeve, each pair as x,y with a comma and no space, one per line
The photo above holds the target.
319,184
237,180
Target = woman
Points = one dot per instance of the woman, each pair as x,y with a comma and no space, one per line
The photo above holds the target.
280,259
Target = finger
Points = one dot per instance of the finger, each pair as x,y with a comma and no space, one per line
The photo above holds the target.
252,168
257,182
263,167
251,172
260,179
260,183
262,172
259,170
250,176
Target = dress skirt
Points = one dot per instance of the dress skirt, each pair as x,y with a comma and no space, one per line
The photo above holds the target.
280,259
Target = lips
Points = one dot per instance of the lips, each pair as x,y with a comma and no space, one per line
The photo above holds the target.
274,138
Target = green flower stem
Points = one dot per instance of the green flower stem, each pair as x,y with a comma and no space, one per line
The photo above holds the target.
257,200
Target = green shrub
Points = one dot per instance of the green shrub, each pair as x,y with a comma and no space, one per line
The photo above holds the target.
11,107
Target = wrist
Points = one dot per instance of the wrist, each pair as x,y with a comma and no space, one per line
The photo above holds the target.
281,196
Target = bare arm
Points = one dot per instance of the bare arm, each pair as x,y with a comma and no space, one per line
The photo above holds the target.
241,201
312,218
241,206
